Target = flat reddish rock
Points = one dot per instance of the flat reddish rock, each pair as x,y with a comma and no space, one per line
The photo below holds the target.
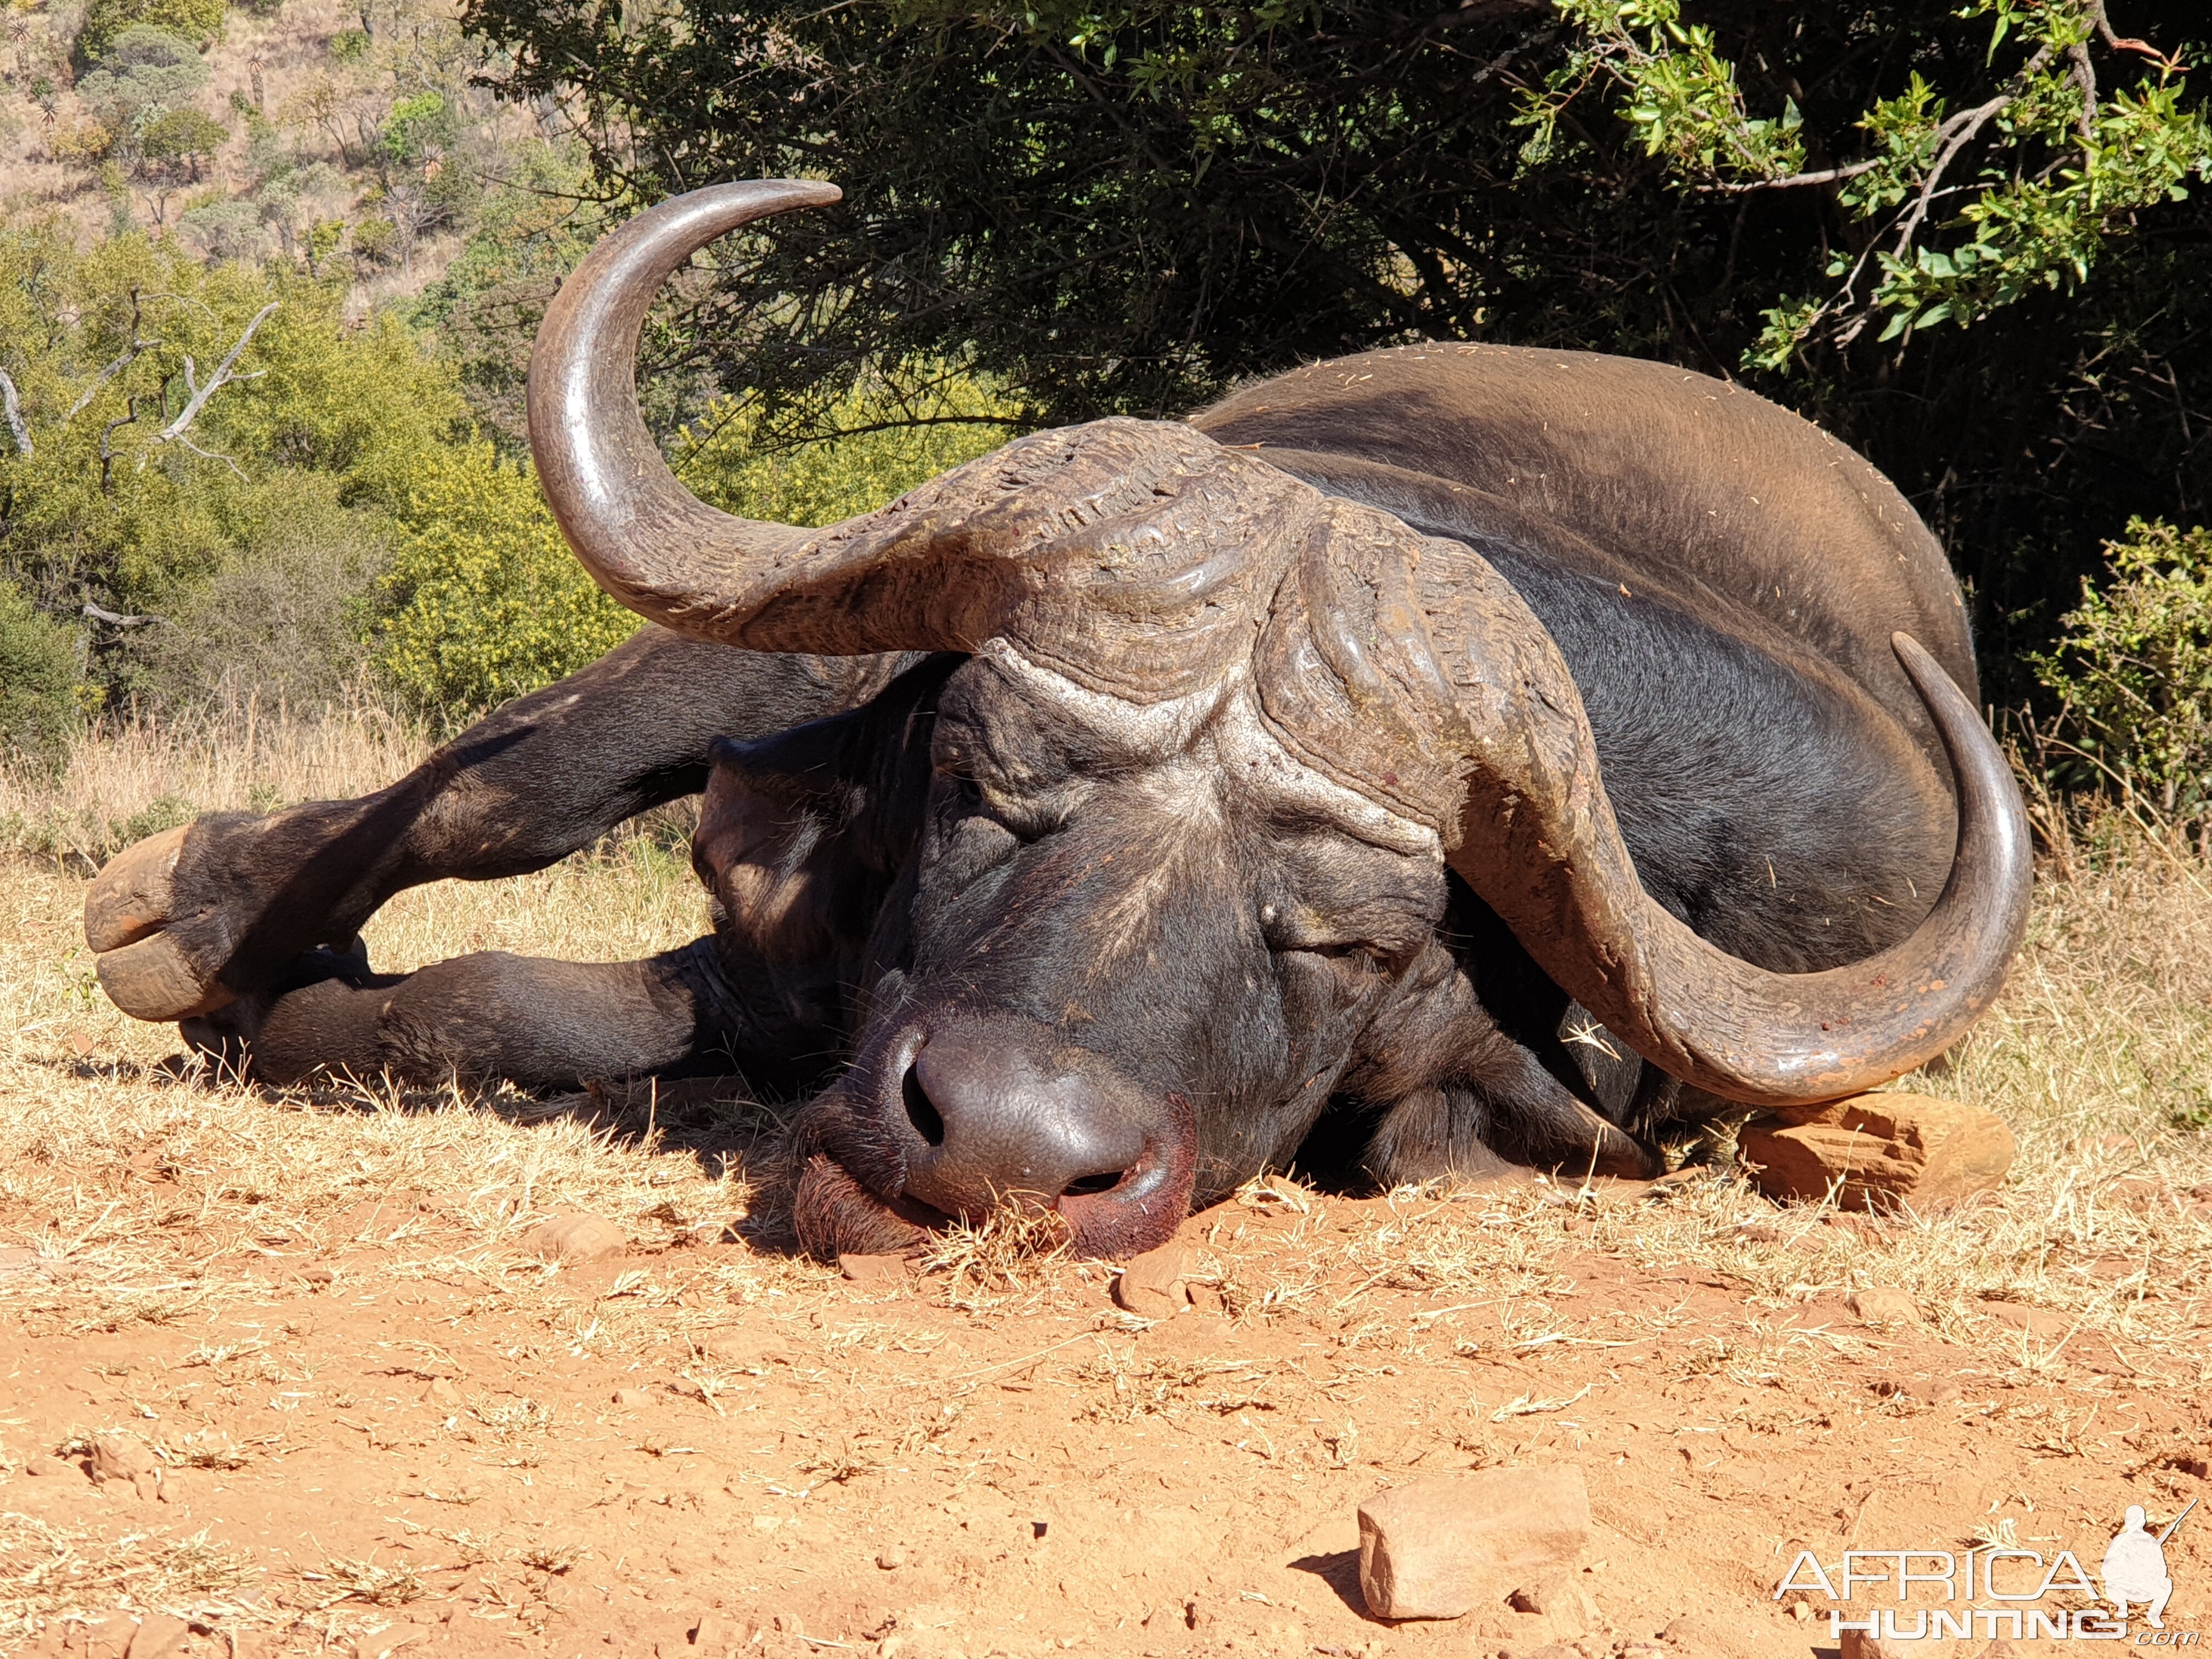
1881,1304
575,1238
874,1269
1878,1152
1151,1285
1440,1548
157,1637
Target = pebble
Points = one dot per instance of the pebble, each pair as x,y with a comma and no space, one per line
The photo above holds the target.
51,1465
1440,1547
1150,1286
389,1641
874,1269
1878,1152
1882,1305
158,1636
128,1459
718,1633
575,1238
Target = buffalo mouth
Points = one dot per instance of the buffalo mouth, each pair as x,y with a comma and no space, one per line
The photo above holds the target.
840,1206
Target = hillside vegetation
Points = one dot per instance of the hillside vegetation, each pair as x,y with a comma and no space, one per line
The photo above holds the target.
268,279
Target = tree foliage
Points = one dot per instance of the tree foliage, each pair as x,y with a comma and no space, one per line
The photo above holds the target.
1127,207
163,409
2133,672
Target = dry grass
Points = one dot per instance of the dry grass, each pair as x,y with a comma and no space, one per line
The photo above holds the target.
130,776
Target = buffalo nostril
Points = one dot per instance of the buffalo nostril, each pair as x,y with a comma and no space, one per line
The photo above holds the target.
920,1110
1105,1183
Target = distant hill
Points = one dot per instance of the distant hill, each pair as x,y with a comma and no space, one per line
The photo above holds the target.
345,138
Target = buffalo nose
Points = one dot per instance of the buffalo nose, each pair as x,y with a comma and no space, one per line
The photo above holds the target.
985,1117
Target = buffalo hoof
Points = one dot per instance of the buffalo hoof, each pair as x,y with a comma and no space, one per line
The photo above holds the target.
145,969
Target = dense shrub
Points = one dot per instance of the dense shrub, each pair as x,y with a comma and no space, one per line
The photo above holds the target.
285,617
199,21
37,677
483,600
2133,673
956,419
319,410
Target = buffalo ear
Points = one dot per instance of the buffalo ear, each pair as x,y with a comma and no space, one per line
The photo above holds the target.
862,774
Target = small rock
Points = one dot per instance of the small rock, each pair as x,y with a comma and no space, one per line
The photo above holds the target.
1878,1151
891,1560
1702,1639
2040,1322
386,1643
1881,1304
718,1633
1858,1644
631,1399
1440,1547
51,1465
1573,1609
1151,1287
874,1269
575,1238
157,1637
126,1458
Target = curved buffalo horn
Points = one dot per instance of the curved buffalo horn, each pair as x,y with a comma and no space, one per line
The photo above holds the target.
1096,534
1538,842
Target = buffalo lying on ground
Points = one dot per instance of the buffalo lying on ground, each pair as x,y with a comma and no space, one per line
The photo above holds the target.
1442,755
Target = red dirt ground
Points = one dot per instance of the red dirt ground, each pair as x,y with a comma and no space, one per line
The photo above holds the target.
839,1467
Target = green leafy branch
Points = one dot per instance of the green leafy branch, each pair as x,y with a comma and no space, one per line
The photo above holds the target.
2051,166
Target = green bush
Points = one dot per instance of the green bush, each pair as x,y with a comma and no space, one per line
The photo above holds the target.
199,21
2133,673
483,600
954,419
37,678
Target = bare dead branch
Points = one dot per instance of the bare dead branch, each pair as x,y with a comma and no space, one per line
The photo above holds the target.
15,411
221,377
129,355
97,614
107,446
1825,176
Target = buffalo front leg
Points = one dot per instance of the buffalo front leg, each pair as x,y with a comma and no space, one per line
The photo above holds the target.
542,1024
188,921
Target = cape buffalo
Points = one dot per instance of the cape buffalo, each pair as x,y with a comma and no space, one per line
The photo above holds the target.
1366,772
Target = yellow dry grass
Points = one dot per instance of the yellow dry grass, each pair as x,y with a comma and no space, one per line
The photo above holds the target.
138,1191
